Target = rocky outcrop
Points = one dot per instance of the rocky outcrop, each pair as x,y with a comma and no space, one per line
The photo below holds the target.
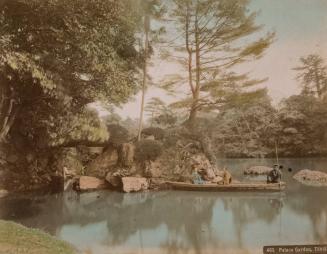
89,183
201,164
126,154
257,170
103,163
311,177
134,184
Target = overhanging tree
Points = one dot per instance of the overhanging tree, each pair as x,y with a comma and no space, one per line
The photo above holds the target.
58,56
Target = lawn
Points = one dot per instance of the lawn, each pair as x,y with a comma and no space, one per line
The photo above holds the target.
17,239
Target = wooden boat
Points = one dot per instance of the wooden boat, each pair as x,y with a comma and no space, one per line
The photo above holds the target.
234,187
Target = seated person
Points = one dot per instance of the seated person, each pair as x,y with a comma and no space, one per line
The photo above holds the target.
196,178
275,175
227,177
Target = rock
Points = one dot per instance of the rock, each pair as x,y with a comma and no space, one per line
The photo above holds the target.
3,193
202,165
87,183
115,177
311,177
126,155
257,170
134,184
103,163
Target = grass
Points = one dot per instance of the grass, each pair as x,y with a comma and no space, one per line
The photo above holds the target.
17,239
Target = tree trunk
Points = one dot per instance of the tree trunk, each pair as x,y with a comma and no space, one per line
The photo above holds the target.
196,93
7,110
146,46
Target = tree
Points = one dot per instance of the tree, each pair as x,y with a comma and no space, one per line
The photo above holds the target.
218,35
312,73
159,113
56,57
154,108
149,9
303,119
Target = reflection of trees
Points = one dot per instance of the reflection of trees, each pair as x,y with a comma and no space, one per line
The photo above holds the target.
314,205
187,216
249,208
183,215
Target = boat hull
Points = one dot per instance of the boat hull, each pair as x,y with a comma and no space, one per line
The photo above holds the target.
237,187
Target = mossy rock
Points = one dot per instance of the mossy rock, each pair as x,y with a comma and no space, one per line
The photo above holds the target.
17,239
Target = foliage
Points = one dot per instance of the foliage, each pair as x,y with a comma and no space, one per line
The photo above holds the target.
159,113
313,75
56,58
216,37
146,150
148,9
303,121
118,134
157,132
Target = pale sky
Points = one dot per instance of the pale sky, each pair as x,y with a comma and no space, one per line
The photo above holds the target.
301,29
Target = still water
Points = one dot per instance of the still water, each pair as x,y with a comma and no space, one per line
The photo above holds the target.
173,222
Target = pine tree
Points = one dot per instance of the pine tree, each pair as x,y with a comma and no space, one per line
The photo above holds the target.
214,37
312,73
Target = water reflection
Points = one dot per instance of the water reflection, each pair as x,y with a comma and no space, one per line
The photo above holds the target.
176,222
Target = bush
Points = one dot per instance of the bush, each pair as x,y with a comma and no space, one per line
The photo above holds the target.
157,132
147,150
118,134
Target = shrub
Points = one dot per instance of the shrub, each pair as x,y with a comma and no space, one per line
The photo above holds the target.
157,132
147,150
118,134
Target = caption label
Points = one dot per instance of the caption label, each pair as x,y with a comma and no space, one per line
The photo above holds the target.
298,249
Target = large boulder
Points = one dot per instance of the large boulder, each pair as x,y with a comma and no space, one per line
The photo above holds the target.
311,177
89,183
103,163
134,184
257,170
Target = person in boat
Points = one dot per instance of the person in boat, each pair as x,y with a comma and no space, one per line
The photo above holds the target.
196,178
227,177
275,175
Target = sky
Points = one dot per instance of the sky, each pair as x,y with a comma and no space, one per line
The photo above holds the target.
301,29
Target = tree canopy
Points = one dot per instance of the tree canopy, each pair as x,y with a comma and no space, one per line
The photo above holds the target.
58,56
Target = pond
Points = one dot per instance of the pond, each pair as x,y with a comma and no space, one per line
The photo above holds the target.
173,222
